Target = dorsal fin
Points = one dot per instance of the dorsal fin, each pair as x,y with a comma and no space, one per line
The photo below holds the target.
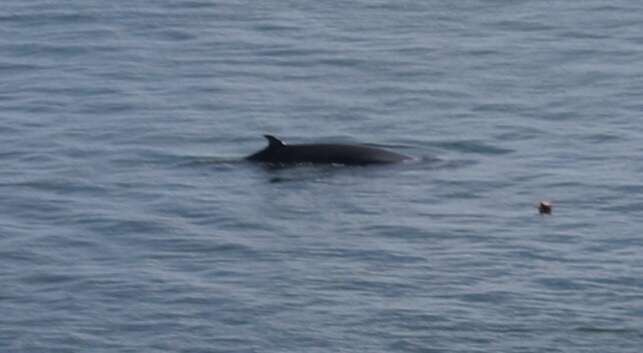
273,141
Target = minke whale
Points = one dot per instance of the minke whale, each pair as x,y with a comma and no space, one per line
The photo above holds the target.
277,152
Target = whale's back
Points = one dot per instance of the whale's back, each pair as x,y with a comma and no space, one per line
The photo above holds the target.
339,154
324,153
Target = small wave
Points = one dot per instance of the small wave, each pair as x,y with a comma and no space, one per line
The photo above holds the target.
473,147
610,330
209,161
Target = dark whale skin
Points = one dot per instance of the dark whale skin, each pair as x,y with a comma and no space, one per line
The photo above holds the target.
278,152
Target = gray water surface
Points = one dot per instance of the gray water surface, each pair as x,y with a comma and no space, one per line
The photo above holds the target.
129,222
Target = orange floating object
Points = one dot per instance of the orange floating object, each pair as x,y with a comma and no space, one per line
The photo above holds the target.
545,207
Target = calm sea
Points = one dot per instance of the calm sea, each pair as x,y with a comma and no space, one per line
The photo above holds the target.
130,223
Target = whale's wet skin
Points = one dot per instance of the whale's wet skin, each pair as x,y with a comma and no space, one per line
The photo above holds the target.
277,152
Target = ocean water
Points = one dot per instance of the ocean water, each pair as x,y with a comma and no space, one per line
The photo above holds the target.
130,223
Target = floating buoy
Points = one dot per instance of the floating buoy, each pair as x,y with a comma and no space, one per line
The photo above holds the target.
544,207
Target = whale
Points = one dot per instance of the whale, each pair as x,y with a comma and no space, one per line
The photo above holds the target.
279,153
